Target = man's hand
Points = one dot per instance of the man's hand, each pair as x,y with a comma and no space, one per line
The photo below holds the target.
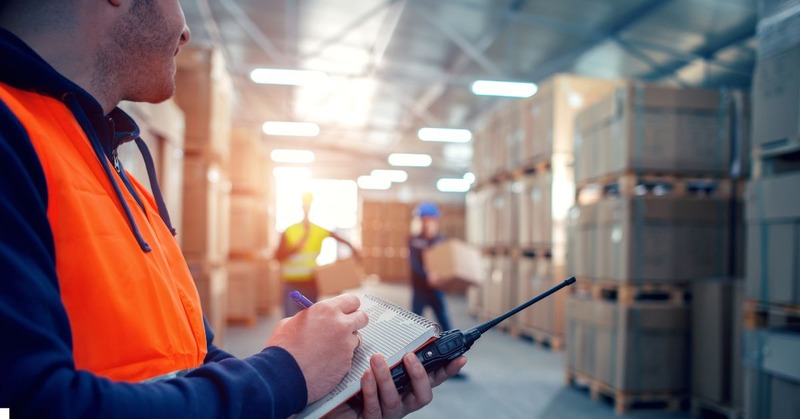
322,340
435,280
381,399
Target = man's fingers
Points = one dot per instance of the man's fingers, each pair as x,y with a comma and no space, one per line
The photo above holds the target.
420,384
449,370
369,392
391,402
348,303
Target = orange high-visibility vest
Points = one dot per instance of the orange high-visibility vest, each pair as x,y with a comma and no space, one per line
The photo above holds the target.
133,315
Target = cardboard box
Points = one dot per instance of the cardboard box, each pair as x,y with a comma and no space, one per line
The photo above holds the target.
657,239
268,288
499,288
714,358
244,227
654,128
580,335
549,115
336,277
454,261
772,382
212,286
584,257
243,292
203,91
773,231
206,199
641,348
246,158
776,83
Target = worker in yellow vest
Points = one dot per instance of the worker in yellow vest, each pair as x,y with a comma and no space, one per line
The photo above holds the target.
299,247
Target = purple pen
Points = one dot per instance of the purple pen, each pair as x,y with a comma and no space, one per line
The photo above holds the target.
300,299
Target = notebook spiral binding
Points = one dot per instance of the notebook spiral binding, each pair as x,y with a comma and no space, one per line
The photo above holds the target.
405,313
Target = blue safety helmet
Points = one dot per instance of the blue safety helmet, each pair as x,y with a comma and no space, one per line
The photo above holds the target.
427,209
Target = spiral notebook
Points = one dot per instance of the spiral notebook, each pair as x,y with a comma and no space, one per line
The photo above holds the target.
392,331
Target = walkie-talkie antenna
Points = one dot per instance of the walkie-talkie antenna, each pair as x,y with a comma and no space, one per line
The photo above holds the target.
483,327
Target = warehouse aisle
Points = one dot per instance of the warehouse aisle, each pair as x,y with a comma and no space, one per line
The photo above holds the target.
507,377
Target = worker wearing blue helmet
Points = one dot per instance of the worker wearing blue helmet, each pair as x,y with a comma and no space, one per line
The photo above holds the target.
423,282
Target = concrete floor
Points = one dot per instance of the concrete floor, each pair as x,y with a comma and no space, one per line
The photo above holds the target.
507,377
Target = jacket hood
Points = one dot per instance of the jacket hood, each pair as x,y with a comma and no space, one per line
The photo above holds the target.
29,71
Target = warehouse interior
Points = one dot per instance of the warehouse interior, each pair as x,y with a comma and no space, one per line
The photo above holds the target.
649,148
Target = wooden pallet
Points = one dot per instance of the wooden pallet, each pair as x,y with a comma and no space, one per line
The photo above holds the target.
629,184
707,409
628,294
758,315
539,338
626,402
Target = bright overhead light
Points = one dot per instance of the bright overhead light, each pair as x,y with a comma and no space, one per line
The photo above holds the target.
287,77
504,88
469,177
452,185
283,172
445,135
410,160
292,156
371,182
291,129
397,176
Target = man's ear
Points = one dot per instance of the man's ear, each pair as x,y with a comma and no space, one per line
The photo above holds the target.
115,3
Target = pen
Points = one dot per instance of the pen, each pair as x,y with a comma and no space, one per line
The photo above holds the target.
300,299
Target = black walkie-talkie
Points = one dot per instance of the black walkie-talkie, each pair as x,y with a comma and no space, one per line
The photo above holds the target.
453,343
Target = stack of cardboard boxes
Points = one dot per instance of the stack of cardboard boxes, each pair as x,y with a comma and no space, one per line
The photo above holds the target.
385,230
772,288
657,209
519,209
252,279
203,89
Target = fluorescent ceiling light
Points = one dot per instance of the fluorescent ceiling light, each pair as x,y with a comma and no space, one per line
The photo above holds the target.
410,160
287,77
291,129
445,135
452,185
469,177
292,156
291,172
398,176
370,182
504,88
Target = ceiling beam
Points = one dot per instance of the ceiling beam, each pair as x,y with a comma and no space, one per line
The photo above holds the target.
347,29
463,43
706,53
565,61
436,90
255,33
